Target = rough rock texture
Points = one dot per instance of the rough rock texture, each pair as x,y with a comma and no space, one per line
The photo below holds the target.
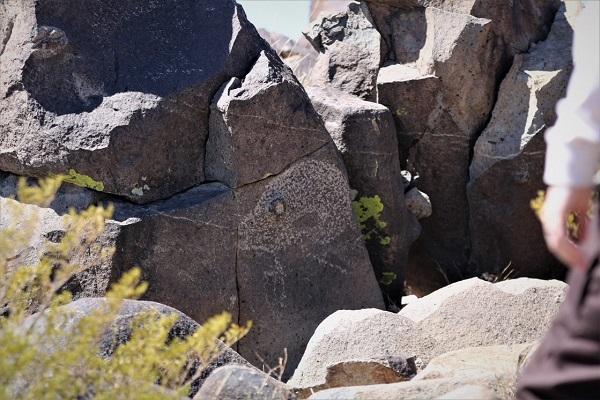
261,125
284,252
350,51
515,25
445,61
439,101
233,382
125,106
493,370
300,256
150,115
365,135
121,330
509,155
365,335
359,372
466,314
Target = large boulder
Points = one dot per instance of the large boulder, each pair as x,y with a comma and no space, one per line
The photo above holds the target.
470,313
508,162
121,104
261,125
440,96
445,62
516,24
365,135
284,252
369,336
349,49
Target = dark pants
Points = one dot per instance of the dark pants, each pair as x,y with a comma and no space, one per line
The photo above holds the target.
567,363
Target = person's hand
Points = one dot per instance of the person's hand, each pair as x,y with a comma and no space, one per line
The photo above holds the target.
559,204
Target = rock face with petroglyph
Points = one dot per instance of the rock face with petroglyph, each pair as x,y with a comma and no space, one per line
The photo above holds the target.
510,153
229,192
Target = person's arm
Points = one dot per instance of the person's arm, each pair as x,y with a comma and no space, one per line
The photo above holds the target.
573,144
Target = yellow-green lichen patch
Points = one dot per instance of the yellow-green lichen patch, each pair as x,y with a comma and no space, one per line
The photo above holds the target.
368,211
85,181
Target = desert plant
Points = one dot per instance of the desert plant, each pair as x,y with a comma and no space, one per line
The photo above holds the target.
368,211
45,353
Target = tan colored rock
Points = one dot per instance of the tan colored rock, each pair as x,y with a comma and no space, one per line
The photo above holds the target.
469,392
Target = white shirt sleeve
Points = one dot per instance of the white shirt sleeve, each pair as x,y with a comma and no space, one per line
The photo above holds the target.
573,144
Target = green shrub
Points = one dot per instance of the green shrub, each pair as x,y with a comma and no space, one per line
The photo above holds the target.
368,211
32,321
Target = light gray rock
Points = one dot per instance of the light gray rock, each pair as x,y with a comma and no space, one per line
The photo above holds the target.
471,313
508,163
348,336
365,135
469,392
126,106
418,203
350,51
233,382
261,125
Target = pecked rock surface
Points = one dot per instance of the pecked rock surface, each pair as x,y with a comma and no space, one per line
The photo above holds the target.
271,238
510,154
284,252
124,101
365,135
470,313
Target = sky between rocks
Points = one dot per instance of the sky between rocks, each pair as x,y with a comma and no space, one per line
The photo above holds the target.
289,17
